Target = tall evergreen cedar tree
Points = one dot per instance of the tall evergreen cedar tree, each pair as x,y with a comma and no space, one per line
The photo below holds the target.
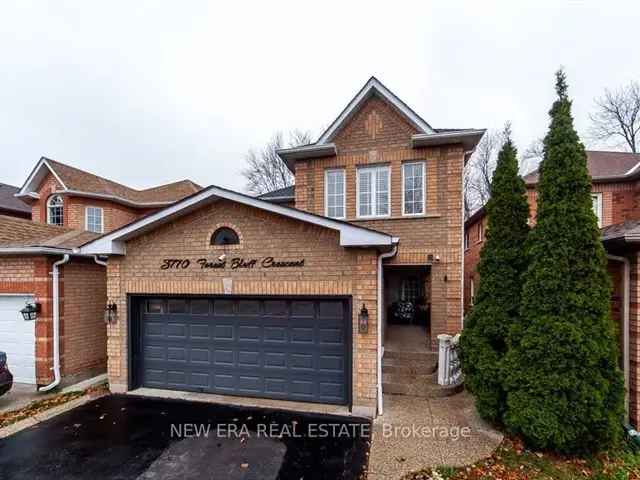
565,389
496,305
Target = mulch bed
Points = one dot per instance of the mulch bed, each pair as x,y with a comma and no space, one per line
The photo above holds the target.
39,406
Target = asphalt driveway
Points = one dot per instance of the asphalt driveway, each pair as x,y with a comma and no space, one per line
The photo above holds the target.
127,437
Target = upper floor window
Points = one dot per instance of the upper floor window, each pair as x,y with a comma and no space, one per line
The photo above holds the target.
55,210
373,192
413,188
596,202
334,196
94,219
480,231
225,236
466,240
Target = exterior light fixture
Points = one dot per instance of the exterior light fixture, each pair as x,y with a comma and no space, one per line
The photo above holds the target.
111,313
30,311
363,320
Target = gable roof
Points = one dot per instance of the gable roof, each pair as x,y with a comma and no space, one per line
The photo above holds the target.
113,243
9,202
373,87
78,182
282,195
18,235
426,135
603,166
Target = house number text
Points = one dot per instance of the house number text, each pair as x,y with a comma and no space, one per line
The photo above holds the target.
233,264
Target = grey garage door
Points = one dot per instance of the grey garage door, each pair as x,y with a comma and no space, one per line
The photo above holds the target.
282,348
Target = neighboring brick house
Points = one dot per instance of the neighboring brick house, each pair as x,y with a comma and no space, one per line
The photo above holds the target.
10,205
616,202
40,265
286,296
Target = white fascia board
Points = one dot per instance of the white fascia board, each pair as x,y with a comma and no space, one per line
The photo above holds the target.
290,155
373,85
27,189
633,169
469,139
114,242
34,251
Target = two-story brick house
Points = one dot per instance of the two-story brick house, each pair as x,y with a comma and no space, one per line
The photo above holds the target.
616,202
286,296
39,265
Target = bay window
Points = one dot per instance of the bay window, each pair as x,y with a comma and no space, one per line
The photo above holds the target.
373,192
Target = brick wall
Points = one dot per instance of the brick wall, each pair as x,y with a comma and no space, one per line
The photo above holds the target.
81,306
84,333
472,258
377,134
329,270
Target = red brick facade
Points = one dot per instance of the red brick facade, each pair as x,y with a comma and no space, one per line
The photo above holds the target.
377,134
329,269
82,329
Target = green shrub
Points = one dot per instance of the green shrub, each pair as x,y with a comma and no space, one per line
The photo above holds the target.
565,390
496,305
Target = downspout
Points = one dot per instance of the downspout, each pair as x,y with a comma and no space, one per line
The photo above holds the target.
625,326
381,257
98,261
56,325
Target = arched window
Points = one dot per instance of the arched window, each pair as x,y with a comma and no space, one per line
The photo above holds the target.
55,210
225,236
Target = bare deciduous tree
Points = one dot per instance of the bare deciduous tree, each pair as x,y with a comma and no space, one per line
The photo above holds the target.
479,171
532,156
617,117
265,169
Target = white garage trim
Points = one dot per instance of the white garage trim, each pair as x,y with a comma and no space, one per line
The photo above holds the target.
18,337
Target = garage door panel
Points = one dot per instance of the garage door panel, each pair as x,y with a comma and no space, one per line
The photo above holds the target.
275,347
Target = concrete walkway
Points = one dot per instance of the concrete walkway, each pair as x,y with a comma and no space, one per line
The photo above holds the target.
416,433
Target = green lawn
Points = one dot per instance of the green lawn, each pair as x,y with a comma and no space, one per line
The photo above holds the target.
513,462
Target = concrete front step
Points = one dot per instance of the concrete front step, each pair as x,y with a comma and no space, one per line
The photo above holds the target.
408,356
414,367
405,378
418,388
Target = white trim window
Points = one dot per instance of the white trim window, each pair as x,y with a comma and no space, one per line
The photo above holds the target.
466,240
480,232
55,210
596,203
373,192
334,193
413,186
94,217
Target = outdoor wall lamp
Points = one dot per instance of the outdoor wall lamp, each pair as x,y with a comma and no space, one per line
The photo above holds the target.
363,320
111,313
30,311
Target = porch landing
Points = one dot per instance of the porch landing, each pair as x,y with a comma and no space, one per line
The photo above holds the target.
407,338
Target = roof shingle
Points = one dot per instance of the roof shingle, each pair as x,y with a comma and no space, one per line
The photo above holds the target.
18,232
81,181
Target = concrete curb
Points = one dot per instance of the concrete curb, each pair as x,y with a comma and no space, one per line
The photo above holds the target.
46,415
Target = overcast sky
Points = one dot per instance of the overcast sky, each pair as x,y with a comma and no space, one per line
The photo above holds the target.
151,92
